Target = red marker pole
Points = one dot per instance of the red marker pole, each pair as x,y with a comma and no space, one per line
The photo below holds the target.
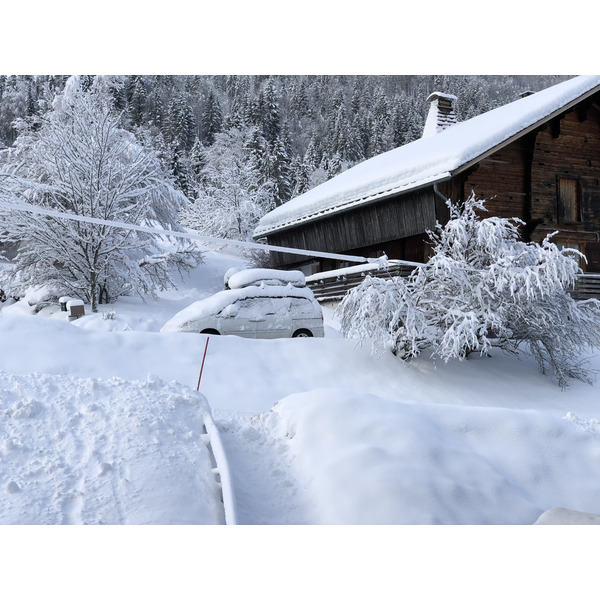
202,367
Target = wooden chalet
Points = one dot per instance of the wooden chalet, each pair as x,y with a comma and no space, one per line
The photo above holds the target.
537,158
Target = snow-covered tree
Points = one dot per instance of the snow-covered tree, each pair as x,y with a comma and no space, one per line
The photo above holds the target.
232,196
481,288
270,114
212,119
77,160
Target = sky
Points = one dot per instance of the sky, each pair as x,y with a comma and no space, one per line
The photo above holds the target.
268,37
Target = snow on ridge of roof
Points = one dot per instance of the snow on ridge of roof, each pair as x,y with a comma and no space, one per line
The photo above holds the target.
427,160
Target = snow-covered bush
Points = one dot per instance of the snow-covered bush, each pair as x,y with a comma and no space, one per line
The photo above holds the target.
482,287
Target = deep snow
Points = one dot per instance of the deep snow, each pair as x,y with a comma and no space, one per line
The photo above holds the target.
100,423
90,451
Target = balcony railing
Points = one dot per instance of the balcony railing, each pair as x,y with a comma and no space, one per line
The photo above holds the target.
332,286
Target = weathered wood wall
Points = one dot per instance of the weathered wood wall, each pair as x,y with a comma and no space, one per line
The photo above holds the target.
569,147
501,181
362,229
522,180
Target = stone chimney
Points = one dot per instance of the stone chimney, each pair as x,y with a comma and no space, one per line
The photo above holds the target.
441,113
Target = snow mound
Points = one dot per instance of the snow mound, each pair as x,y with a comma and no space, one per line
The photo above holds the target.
88,451
362,459
564,516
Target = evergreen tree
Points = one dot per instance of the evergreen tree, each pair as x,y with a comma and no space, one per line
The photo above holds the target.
281,169
269,113
197,160
136,100
179,126
301,176
212,119
314,154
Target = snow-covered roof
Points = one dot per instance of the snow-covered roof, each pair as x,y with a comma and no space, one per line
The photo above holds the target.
428,160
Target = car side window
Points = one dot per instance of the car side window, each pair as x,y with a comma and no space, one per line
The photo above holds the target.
302,308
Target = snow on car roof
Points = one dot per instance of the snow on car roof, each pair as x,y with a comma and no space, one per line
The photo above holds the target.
269,276
216,303
427,160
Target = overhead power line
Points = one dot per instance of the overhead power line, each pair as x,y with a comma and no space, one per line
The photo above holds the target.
21,206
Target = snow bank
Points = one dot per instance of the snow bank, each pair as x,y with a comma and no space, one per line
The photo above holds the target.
366,460
89,451
248,376
484,440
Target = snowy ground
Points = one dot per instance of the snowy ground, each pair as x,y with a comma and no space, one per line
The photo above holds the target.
100,423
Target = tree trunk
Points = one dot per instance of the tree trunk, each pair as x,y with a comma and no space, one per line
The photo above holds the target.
94,292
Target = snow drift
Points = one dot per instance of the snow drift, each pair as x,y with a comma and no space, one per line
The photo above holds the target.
367,460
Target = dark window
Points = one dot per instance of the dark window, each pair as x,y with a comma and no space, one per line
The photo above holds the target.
568,200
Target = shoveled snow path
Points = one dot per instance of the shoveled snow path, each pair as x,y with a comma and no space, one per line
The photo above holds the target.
266,492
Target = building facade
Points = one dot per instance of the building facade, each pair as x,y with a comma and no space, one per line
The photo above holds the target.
536,159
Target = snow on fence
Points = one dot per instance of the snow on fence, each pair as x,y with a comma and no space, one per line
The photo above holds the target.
221,469
332,286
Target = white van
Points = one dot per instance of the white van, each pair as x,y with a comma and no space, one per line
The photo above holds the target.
255,311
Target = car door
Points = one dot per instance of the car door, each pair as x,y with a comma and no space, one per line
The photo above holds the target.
235,319
275,318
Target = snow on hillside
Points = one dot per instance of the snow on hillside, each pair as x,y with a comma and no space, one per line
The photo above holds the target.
100,423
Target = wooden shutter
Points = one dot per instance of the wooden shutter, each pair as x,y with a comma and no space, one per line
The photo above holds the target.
568,200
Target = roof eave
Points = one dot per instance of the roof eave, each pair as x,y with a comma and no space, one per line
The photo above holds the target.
353,206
